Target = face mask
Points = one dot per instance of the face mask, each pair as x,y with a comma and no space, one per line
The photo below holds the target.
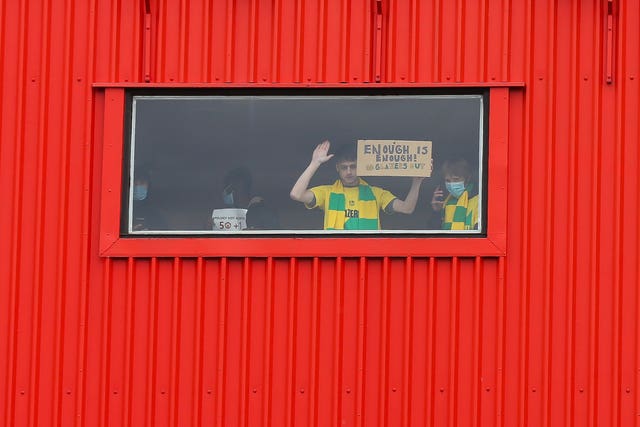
228,198
455,188
140,192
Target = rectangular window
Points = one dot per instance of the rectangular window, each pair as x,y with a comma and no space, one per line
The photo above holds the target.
223,163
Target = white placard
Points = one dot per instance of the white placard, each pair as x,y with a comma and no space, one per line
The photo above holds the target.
393,158
229,219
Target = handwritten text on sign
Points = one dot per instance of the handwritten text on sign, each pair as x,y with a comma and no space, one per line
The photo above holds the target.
381,157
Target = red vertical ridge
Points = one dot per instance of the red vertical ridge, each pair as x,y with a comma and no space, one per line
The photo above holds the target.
361,337
619,202
526,232
408,343
137,66
347,52
36,338
298,45
61,303
314,338
160,23
198,354
229,42
369,40
476,348
183,41
275,41
222,341
414,48
16,222
549,253
321,42
207,35
595,239
500,363
41,187
128,345
338,342
344,52
85,255
252,69
618,208
574,94
454,344
384,345
636,379
430,359
506,43
389,58
268,346
152,344
3,40
114,47
174,375
63,221
244,342
483,41
459,43
106,342
291,344
63,227
437,44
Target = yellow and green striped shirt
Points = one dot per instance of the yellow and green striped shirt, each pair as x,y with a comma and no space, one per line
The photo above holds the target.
460,213
351,208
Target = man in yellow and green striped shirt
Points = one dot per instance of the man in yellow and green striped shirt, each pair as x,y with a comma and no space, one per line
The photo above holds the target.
350,203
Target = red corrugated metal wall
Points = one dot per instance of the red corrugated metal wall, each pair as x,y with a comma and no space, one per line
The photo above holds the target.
547,335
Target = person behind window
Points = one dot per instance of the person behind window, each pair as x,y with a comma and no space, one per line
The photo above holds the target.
459,210
237,189
145,213
261,217
349,203
238,200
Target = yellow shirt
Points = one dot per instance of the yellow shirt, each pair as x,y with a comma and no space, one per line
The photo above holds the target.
351,208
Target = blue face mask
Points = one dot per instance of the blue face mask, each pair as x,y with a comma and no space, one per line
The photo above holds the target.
455,188
228,198
140,192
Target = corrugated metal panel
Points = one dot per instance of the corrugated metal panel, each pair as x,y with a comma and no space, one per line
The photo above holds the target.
299,341
547,335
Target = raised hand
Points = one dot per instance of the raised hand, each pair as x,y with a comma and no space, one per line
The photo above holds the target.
320,154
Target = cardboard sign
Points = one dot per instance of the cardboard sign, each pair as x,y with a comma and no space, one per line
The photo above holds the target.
229,219
381,157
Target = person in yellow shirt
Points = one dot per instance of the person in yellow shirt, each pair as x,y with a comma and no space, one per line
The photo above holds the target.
350,203
459,210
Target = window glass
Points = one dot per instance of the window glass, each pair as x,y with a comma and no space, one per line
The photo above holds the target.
243,163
